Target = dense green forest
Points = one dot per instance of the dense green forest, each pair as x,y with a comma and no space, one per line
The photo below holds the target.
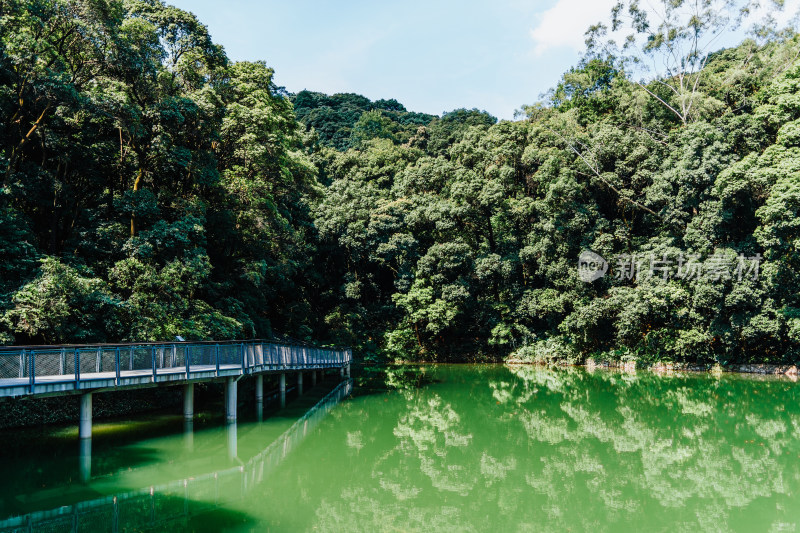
342,121
151,188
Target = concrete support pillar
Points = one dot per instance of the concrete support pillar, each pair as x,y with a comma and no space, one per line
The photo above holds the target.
259,397
282,388
347,370
259,388
300,383
85,428
233,447
188,401
314,378
341,372
230,400
85,459
188,434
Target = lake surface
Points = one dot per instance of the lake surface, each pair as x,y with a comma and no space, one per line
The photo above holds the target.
437,448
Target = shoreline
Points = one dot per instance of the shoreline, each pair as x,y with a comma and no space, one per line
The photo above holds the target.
750,369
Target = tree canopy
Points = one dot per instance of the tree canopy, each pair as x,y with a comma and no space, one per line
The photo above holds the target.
151,188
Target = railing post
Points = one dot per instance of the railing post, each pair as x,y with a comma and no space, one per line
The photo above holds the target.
188,359
77,369
116,361
217,359
153,357
32,370
244,358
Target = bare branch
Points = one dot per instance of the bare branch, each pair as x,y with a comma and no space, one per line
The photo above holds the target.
597,174
654,95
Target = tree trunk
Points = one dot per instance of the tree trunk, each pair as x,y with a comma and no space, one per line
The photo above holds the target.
136,185
15,150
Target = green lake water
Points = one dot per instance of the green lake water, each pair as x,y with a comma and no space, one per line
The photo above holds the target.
435,448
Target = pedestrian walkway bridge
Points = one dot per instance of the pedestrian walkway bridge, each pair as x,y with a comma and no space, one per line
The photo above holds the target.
85,369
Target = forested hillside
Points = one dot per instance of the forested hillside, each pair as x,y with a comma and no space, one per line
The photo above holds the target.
151,188
342,121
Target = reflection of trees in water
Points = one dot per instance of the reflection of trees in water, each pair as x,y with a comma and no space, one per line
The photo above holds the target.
404,377
366,511
428,437
697,445
429,431
544,450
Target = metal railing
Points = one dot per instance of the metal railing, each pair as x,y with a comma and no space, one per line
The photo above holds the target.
77,363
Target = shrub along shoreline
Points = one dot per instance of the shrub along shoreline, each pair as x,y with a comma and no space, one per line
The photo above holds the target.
789,371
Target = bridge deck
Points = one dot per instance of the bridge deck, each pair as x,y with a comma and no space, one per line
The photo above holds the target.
51,370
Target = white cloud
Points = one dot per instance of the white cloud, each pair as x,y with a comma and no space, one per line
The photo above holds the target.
565,24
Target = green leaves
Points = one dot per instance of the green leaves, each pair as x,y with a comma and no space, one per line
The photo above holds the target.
472,246
63,305
152,175
151,188
347,120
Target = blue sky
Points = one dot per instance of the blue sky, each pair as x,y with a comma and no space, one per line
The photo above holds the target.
431,55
